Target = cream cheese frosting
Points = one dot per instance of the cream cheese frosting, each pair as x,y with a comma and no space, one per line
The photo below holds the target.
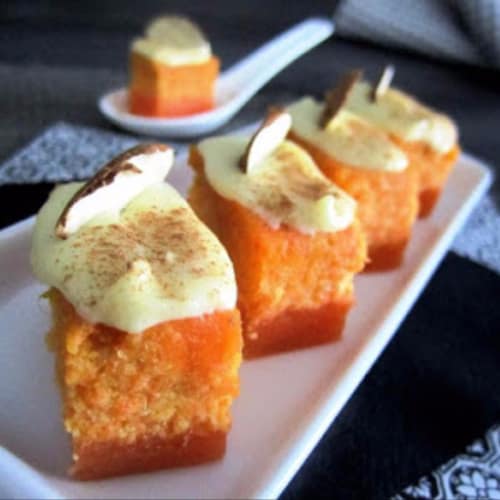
148,262
175,41
347,138
286,187
403,116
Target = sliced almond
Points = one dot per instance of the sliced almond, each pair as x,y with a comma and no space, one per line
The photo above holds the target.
112,187
337,96
268,137
384,82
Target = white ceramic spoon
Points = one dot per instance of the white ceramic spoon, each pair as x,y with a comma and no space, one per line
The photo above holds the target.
234,88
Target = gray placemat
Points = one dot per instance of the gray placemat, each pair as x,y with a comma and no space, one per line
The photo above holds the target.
65,152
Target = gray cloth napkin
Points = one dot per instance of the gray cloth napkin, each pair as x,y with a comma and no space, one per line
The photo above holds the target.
465,30
65,152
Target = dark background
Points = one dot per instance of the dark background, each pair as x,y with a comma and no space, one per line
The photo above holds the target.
433,390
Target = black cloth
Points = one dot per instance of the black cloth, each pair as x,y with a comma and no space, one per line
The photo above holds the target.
431,393
434,389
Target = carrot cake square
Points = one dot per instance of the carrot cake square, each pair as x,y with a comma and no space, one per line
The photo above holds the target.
365,163
429,138
145,330
172,69
293,236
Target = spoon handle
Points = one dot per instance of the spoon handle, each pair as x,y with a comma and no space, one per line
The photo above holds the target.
247,76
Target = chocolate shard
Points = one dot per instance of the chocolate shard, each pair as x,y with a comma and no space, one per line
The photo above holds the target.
383,83
337,96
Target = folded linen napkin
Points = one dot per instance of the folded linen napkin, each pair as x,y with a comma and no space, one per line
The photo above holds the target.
464,30
63,152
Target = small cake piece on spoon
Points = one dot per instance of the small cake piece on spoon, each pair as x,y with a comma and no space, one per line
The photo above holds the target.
172,70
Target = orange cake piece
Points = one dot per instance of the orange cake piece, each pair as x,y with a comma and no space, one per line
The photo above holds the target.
145,327
172,70
429,138
366,164
292,235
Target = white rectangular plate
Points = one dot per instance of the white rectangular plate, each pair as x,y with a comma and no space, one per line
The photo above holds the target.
287,401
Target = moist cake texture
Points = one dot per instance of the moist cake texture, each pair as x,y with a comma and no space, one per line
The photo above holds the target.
145,330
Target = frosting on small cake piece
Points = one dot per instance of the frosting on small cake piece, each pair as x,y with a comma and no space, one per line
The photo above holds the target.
286,187
347,138
131,267
403,116
175,41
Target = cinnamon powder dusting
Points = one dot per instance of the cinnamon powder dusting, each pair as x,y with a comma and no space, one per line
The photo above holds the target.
153,261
